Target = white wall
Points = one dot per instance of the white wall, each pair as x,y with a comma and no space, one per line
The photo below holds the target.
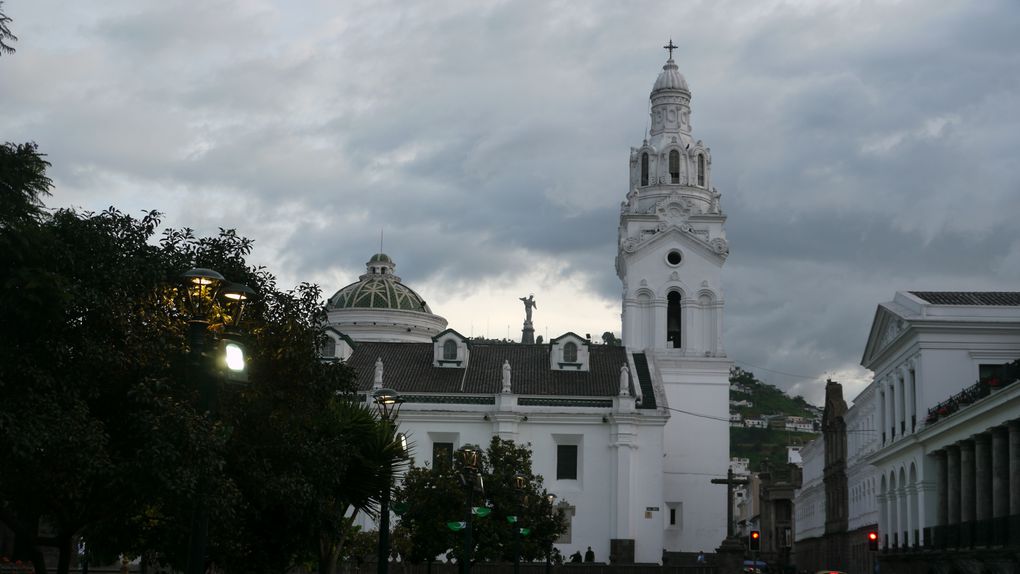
619,463
696,447
862,423
809,500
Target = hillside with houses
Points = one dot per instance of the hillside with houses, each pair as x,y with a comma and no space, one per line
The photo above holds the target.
766,423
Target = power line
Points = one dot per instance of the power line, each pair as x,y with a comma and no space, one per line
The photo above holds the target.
715,418
776,372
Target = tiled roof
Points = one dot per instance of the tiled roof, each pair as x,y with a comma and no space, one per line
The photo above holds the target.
993,298
407,368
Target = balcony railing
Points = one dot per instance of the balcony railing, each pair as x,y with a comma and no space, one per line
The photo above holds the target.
1006,375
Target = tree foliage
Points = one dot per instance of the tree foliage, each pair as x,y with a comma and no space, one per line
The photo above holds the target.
5,33
102,434
23,181
434,496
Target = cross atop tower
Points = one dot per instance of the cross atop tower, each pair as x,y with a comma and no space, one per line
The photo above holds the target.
670,47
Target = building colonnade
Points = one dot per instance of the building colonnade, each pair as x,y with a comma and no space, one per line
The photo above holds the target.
976,495
898,402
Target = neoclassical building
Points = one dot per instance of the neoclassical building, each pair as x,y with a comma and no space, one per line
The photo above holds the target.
627,436
933,443
948,427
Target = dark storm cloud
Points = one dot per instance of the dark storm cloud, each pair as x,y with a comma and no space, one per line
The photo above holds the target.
860,148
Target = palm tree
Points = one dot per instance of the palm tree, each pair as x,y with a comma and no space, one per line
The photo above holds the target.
5,32
364,462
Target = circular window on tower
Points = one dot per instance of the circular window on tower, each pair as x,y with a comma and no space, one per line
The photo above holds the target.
674,257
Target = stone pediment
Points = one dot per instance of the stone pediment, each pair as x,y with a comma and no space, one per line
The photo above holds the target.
886,329
717,247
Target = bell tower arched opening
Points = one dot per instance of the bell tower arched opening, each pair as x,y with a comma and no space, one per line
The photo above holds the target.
674,320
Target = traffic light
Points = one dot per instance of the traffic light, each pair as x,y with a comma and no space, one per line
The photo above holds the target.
872,540
754,540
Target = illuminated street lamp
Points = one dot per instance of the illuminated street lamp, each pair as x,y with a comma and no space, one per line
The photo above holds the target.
208,294
388,402
551,499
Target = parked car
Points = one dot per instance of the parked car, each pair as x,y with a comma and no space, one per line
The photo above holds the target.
756,567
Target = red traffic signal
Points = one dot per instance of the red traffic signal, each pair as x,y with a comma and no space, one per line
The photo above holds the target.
754,540
872,540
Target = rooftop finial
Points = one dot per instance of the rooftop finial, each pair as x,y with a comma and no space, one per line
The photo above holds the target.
670,47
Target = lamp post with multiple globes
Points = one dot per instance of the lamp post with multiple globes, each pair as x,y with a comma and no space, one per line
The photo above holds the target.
388,402
207,295
551,499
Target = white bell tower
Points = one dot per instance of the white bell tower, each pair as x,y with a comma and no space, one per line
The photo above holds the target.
672,244
671,250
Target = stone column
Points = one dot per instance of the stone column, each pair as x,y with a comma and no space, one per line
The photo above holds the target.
967,490
941,490
953,483
908,399
897,404
882,425
909,507
1000,472
983,475
890,417
883,518
1014,468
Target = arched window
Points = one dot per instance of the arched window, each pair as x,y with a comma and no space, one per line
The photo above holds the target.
701,170
570,353
328,348
644,169
674,166
674,320
450,350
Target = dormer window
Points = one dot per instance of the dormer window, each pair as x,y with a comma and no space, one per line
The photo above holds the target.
701,170
328,350
674,166
336,346
568,353
644,168
450,349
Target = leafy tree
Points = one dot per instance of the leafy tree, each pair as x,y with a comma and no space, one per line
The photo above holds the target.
434,497
609,338
23,181
93,410
101,432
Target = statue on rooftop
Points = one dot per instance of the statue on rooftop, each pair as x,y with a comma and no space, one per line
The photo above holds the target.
529,304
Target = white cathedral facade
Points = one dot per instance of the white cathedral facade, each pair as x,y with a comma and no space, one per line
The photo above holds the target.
628,437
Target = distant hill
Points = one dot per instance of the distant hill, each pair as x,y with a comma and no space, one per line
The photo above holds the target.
766,401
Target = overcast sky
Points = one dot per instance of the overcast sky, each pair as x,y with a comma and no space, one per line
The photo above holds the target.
860,147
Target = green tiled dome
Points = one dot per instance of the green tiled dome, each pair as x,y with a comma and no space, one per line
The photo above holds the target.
379,288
